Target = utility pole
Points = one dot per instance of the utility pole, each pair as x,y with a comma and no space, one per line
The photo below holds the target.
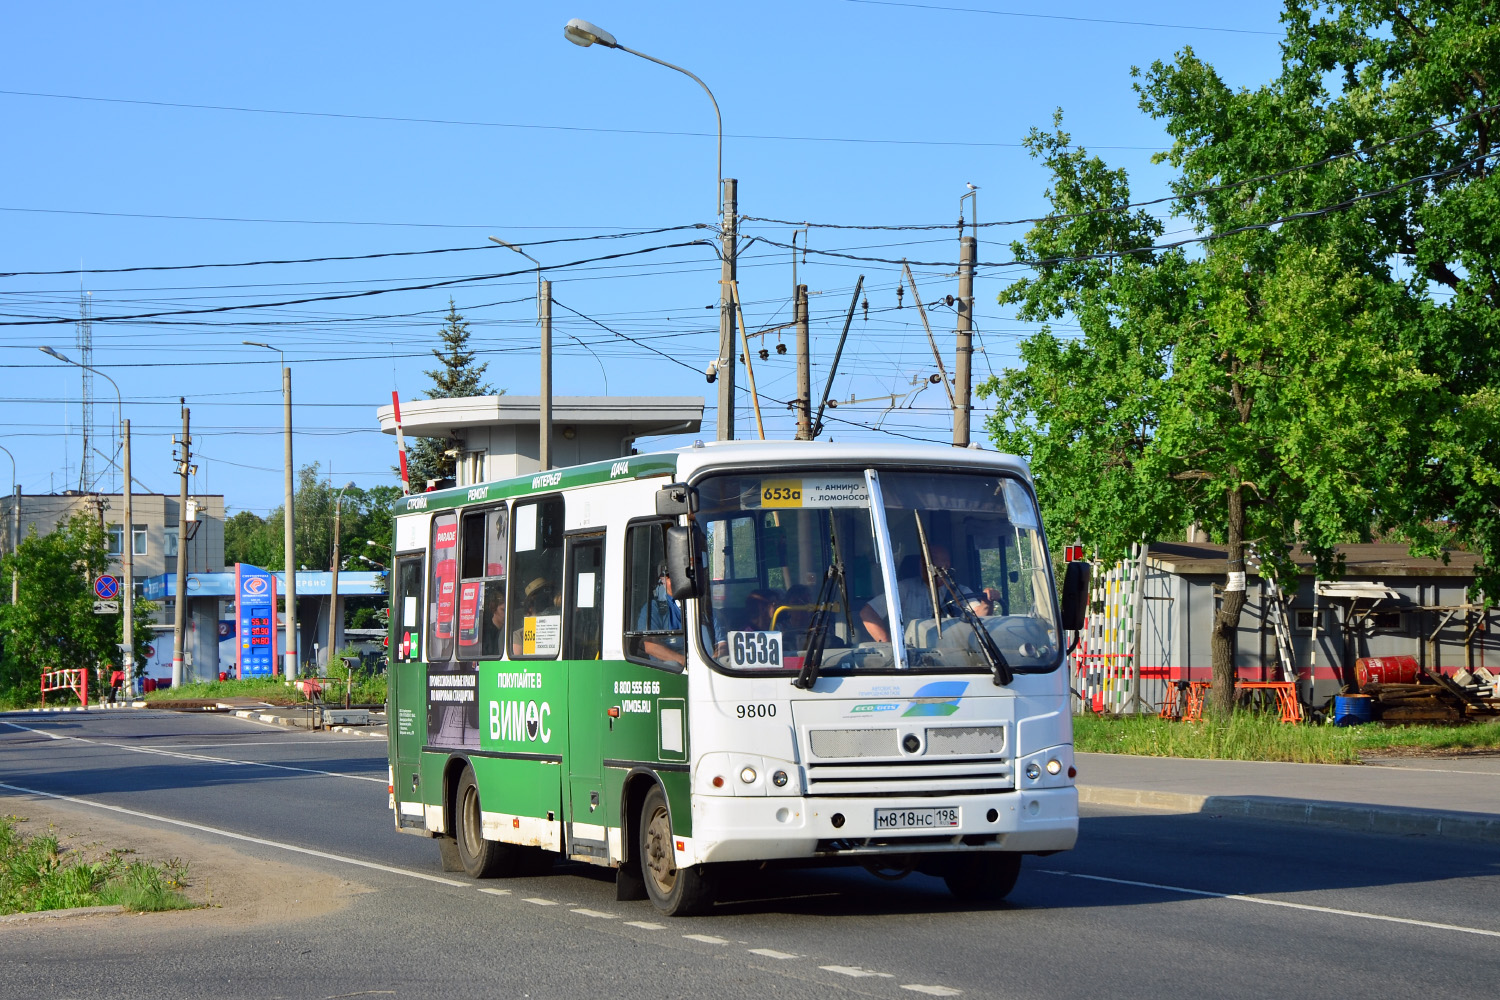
289,539
127,653
804,368
727,275
15,540
545,431
333,593
179,622
968,252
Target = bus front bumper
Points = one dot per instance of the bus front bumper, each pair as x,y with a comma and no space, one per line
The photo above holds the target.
775,827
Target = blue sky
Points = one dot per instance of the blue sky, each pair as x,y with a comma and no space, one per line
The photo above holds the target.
529,138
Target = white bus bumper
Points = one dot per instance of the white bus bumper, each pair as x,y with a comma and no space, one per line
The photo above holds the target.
777,827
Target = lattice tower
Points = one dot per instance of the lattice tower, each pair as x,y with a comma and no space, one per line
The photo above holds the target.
86,354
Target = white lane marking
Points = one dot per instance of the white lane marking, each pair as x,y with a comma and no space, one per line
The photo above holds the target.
311,852
198,757
1240,897
493,892
933,991
855,971
540,901
645,925
595,914
705,938
773,953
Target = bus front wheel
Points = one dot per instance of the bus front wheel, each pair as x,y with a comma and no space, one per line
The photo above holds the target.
986,877
677,892
480,858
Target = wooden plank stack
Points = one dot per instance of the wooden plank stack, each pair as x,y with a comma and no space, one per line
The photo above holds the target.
1437,698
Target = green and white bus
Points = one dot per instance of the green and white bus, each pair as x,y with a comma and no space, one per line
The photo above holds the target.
734,653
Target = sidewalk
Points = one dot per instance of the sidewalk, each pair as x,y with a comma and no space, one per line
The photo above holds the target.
1432,796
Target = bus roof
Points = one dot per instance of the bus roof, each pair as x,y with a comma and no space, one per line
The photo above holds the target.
687,462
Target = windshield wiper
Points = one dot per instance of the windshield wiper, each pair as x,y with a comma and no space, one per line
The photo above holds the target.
1002,671
817,628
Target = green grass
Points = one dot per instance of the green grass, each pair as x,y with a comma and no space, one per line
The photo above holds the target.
272,690
1260,736
37,874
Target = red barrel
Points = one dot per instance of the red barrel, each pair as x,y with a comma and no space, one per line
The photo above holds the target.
1386,670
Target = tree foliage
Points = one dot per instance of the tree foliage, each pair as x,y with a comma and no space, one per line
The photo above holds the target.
365,516
458,375
52,625
1324,366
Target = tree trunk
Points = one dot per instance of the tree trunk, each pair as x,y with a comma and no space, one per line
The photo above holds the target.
1227,618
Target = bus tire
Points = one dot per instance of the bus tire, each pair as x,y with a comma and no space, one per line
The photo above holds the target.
480,858
677,892
986,877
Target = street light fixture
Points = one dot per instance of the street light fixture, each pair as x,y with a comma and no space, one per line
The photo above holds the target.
288,540
127,534
582,33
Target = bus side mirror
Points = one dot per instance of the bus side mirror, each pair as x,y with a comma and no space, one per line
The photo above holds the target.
682,561
676,498
1075,595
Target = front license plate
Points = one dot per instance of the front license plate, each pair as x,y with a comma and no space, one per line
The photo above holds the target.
931,818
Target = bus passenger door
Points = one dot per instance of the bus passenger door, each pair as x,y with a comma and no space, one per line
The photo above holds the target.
407,682
583,643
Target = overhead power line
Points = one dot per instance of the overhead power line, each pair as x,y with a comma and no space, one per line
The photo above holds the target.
859,140
448,283
1183,196
1060,17
1206,238
320,260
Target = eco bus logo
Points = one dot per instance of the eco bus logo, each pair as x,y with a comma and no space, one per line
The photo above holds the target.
937,698
255,586
877,706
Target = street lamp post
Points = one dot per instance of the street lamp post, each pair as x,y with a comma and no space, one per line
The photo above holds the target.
289,543
15,527
582,33
544,319
127,532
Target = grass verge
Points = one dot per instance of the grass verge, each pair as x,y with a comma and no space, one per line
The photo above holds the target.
1260,736
37,874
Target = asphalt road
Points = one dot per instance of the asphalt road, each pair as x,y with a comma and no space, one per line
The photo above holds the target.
1149,905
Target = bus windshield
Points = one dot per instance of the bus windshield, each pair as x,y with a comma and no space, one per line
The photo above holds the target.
795,563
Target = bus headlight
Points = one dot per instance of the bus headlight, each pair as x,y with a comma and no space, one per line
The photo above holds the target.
1033,772
1054,766
747,775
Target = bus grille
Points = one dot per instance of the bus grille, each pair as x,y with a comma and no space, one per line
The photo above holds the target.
966,741
917,776
843,743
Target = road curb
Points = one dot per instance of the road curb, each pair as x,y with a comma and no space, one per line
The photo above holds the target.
75,911
1358,817
290,723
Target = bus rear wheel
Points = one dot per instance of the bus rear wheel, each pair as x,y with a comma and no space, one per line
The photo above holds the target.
481,858
677,892
983,878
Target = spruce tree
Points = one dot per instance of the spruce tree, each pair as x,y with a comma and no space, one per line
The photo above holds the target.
457,375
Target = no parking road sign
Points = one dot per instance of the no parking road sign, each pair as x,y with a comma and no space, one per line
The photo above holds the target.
106,588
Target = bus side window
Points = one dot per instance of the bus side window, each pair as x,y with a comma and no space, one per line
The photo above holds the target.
654,634
406,609
535,619
585,619
442,593
481,588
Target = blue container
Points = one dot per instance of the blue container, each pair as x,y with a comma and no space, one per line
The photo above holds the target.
1352,710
